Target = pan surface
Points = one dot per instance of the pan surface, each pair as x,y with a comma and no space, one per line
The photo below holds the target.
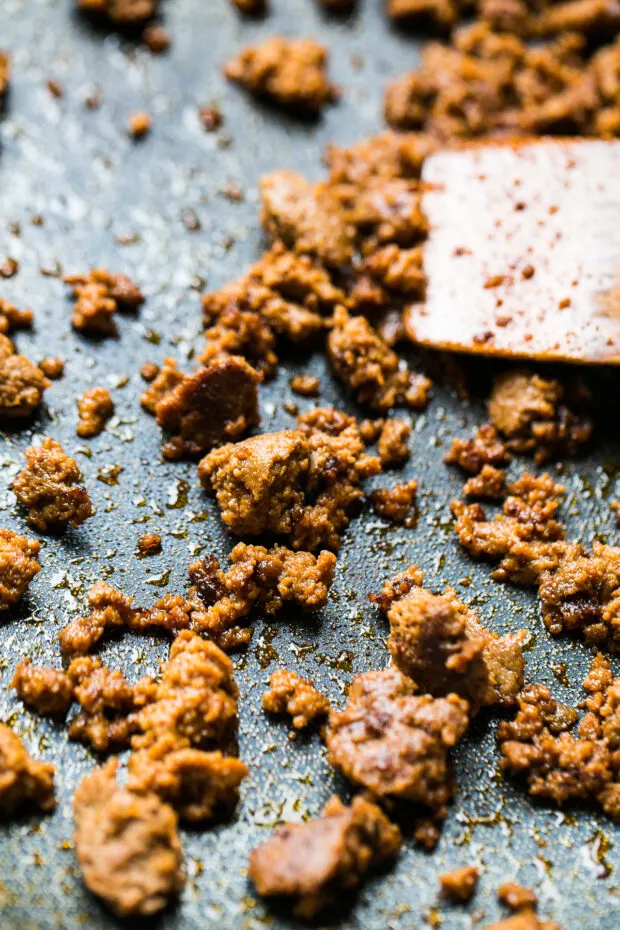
159,212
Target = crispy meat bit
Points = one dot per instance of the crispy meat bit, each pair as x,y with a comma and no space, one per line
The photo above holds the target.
386,156
21,383
290,694
11,318
290,72
109,610
239,332
149,544
530,18
306,385
308,218
49,691
95,407
99,294
53,368
529,411
472,455
149,371
398,270
298,483
370,369
489,484
218,403
48,488
250,7
127,845
516,897
120,12
394,742
392,445
163,382
440,643
5,73
139,125
440,13
526,920
24,781
397,588
312,862
18,566
396,503
156,39
460,884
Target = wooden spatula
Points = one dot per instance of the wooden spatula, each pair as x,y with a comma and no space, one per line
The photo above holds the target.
523,254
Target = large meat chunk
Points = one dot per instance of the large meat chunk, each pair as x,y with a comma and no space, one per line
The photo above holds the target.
18,566
313,862
48,488
48,690
395,742
23,780
127,845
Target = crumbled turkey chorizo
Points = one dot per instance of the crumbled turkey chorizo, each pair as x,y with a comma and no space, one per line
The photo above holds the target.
216,404
250,7
18,566
24,781
370,369
127,845
485,449
516,897
52,367
311,863
10,317
290,694
149,544
301,484
120,12
488,484
460,884
441,645
392,445
95,408
109,610
529,411
5,73
98,295
290,72
556,764
21,383
49,691
396,503
440,13
531,18
305,385
48,488
526,920
395,742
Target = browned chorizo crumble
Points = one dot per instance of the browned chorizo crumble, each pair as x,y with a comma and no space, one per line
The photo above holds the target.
18,566
98,295
12,319
95,408
21,383
460,884
139,125
47,487
149,371
485,449
5,73
250,7
24,781
290,72
127,845
396,503
312,863
525,920
156,39
392,445
488,484
306,385
149,544
441,645
516,897
52,367
49,691
290,694
120,12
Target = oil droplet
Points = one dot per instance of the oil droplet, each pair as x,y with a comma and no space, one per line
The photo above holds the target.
159,581
109,474
177,495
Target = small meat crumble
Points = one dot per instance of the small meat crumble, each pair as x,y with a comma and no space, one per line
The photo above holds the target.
120,12
492,83
139,125
529,18
216,404
312,863
48,488
394,742
306,385
24,781
11,318
530,412
127,845
526,920
149,544
441,645
99,294
439,13
290,72
109,610
460,884
396,503
49,691
156,39
18,566
485,450
181,732
250,7
95,408
488,484
557,764
392,445
21,383
290,694
301,484
5,73
369,369
516,897
52,367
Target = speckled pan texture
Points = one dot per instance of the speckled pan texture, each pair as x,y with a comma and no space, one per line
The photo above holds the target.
156,210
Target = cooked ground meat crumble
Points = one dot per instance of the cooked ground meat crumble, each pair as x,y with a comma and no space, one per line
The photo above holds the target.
95,408
313,862
396,503
22,384
392,445
18,566
516,897
290,72
11,318
53,368
525,920
460,884
48,488
473,455
49,691
98,295
120,12
24,781
149,544
127,845
290,694
5,73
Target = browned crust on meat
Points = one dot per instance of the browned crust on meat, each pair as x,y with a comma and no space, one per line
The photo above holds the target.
295,696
